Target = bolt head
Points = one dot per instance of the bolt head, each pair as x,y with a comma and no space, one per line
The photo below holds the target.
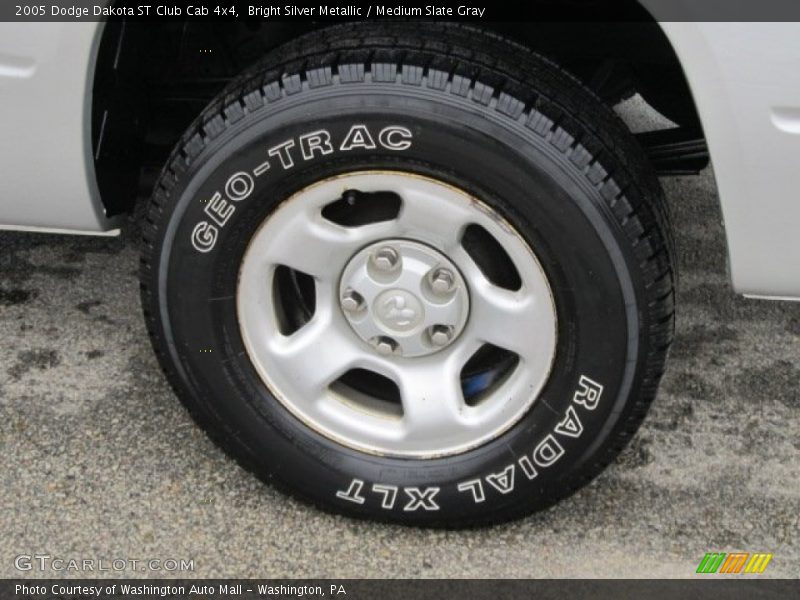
442,281
386,258
351,301
441,335
385,345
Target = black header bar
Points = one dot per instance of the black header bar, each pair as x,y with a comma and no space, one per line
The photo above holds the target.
709,587
339,10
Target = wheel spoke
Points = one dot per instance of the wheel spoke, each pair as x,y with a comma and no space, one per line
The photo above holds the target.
316,355
433,404
422,216
311,244
514,320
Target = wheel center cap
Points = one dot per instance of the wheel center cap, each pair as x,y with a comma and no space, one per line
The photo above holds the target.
404,298
398,310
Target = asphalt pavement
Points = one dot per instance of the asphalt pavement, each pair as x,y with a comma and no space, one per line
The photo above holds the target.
99,460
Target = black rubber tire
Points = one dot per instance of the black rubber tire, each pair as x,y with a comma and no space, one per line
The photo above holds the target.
488,116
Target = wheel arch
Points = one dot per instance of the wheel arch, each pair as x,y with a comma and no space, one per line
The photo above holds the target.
152,80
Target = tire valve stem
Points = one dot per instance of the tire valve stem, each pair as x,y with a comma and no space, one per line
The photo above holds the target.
350,196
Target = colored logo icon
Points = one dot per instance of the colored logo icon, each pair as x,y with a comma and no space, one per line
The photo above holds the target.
734,563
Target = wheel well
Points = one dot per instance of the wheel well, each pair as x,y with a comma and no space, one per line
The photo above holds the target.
152,80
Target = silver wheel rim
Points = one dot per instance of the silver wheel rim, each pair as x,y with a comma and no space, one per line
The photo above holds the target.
310,368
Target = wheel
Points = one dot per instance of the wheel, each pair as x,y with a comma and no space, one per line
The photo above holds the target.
410,280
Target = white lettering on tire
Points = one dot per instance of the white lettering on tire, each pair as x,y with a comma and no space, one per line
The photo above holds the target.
239,186
419,498
395,137
571,425
219,210
358,137
503,481
204,236
389,493
475,486
547,452
527,467
283,154
316,140
313,145
544,455
353,492
589,393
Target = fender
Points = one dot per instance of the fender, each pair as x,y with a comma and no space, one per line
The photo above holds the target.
745,83
46,77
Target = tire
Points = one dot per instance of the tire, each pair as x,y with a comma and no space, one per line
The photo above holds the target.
568,224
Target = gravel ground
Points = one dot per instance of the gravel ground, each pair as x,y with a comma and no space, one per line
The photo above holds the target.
99,459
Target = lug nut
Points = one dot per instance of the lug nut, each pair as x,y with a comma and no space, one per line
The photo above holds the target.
384,345
386,258
351,301
440,335
442,281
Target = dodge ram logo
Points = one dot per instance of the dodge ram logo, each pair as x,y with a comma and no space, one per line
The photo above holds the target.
399,310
